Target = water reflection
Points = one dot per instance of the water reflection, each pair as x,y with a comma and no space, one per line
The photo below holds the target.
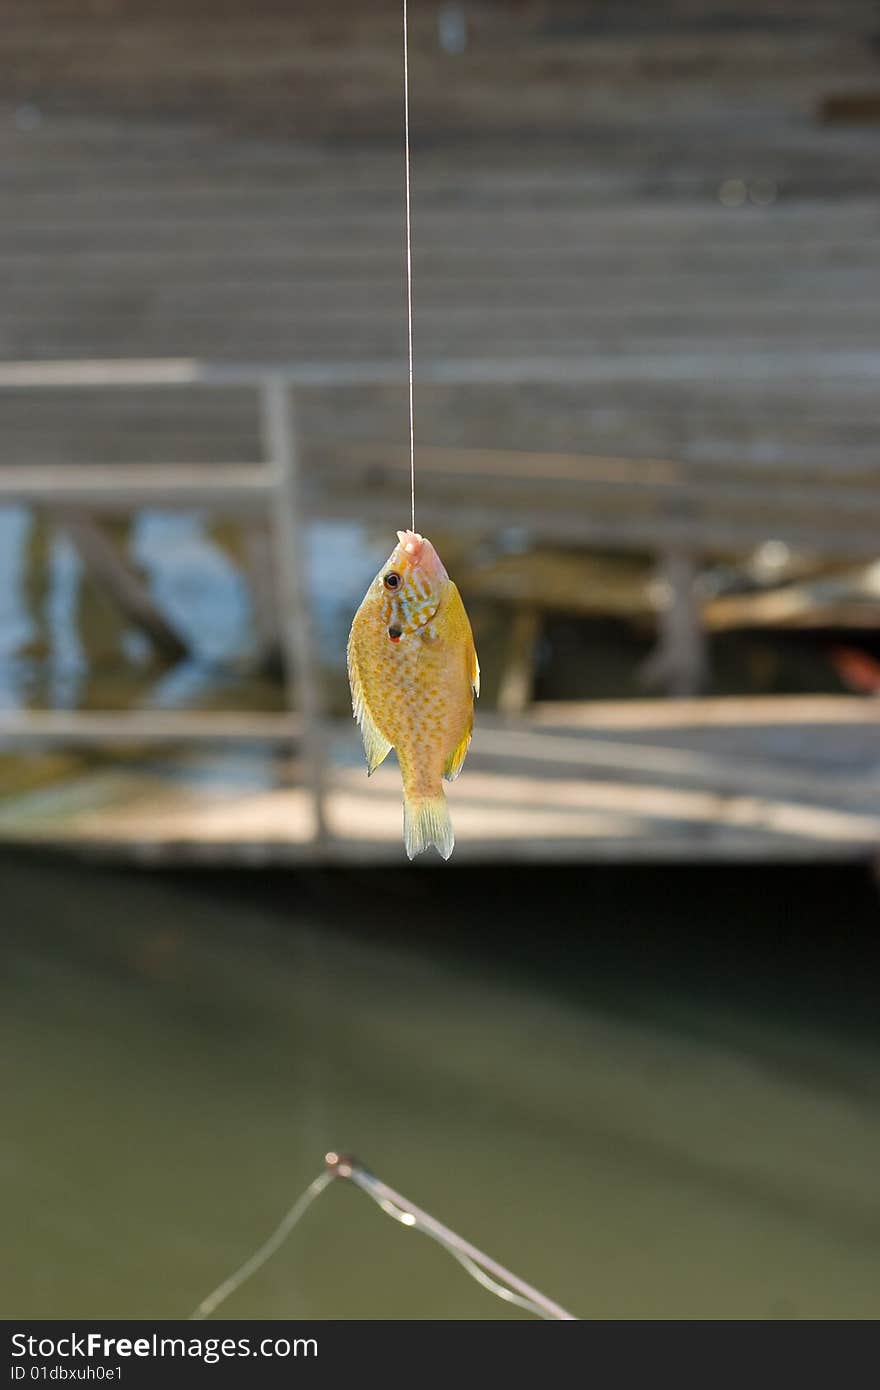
17,624
660,1120
194,581
64,644
68,664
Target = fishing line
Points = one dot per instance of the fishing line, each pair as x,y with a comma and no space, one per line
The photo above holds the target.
265,1251
400,1209
409,313
481,1267
406,1218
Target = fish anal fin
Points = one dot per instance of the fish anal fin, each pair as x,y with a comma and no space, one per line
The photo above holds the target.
455,762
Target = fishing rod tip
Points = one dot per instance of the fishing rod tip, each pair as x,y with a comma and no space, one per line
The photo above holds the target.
340,1165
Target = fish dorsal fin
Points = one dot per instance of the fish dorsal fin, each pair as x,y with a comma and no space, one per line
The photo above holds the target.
462,628
455,762
376,745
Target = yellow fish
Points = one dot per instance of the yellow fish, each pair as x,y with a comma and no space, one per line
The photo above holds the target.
414,673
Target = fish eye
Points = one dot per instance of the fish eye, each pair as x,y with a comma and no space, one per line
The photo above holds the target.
391,580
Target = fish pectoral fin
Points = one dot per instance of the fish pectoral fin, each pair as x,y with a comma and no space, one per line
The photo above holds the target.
475,671
376,745
455,762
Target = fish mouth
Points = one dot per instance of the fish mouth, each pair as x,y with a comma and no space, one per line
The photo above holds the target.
411,545
417,552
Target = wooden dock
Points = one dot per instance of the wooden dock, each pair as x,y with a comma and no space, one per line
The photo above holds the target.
646,321
647,191
763,780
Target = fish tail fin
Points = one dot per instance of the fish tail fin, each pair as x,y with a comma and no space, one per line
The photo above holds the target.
426,822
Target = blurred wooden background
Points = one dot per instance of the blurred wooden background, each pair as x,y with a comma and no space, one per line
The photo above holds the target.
666,214
648,187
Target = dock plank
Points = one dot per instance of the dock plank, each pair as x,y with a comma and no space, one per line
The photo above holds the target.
767,780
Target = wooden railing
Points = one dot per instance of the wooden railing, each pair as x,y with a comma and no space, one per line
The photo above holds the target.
677,509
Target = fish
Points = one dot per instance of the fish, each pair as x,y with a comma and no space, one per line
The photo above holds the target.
414,676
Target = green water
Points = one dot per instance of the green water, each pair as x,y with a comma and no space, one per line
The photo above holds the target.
667,1110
